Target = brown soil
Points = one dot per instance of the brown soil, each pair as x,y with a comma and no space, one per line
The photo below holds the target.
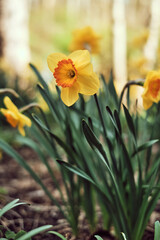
17,183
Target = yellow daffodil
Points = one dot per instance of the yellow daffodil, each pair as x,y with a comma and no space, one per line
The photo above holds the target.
151,92
74,74
14,117
85,38
141,39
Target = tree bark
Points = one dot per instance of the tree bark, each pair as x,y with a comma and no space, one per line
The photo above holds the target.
14,33
119,44
151,47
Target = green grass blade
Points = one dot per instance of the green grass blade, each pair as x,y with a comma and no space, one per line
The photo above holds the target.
129,122
57,234
50,103
157,231
93,140
98,237
42,81
75,170
35,232
144,146
9,206
124,236
112,89
67,149
10,151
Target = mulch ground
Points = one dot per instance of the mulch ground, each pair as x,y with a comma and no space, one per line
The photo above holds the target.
15,182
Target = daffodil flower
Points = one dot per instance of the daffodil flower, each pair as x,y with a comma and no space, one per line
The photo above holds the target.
14,117
74,74
151,92
85,38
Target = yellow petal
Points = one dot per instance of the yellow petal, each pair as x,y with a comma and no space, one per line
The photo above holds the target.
25,120
21,129
11,117
89,85
86,70
4,111
53,60
70,95
147,103
10,105
80,58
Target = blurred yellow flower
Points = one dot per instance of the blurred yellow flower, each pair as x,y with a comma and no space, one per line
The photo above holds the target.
1,154
151,92
140,40
14,117
74,74
85,38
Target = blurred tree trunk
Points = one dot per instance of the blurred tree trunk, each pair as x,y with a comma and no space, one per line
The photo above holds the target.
151,47
14,33
119,43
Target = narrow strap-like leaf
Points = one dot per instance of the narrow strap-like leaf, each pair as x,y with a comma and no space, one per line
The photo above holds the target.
157,231
9,206
57,234
129,122
35,232
144,146
42,81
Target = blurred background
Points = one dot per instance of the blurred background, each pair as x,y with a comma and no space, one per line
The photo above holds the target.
128,30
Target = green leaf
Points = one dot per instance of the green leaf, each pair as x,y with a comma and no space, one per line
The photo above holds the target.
124,236
9,150
112,118
19,234
67,149
57,234
92,139
116,116
76,170
34,232
10,234
129,121
157,231
112,88
98,237
49,102
9,206
42,81
144,146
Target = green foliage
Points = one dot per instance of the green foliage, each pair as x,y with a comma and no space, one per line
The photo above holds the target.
21,235
57,234
9,206
98,237
157,231
108,158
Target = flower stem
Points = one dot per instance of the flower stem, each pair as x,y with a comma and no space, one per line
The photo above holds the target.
9,90
139,82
